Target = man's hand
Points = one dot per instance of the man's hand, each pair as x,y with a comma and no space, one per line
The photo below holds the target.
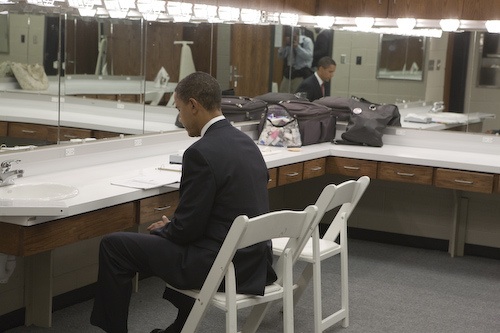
159,224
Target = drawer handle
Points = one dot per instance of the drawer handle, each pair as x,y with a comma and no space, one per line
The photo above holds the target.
405,174
318,168
28,131
467,182
293,174
159,209
351,167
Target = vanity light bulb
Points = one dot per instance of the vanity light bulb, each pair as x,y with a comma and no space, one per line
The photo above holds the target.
325,22
493,26
406,23
364,23
449,25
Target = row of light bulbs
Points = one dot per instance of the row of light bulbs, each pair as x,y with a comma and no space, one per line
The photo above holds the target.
159,10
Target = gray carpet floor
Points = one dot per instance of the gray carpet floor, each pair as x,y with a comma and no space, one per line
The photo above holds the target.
391,288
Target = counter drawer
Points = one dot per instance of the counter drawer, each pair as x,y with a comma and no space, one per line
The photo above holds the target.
3,128
67,133
291,173
314,168
151,209
351,167
464,180
405,173
28,131
273,178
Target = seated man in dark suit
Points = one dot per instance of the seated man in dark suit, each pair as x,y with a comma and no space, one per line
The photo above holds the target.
318,85
223,175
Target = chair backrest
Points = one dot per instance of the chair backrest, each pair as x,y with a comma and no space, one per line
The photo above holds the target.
346,195
248,231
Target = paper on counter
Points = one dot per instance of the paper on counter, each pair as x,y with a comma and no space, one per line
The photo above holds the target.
151,179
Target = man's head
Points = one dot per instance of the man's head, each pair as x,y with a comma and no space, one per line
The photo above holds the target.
198,99
326,68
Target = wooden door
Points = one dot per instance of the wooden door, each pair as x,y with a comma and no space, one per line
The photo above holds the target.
251,59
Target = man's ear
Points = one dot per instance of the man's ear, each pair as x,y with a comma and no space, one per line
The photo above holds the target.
193,104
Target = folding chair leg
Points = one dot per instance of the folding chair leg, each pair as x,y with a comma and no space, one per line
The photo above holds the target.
344,285
318,309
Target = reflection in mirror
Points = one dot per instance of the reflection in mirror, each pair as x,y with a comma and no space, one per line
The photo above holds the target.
4,35
104,85
30,86
172,51
298,50
401,57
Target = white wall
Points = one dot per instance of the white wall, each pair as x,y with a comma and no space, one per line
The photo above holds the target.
361,80
31,49
481,99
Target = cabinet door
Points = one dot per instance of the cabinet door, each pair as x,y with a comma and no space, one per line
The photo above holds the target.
425,9
480,10
353,8
300,6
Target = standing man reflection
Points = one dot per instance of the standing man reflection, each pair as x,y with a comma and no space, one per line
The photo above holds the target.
298,54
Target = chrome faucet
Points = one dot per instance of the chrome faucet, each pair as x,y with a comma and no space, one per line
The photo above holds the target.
7,175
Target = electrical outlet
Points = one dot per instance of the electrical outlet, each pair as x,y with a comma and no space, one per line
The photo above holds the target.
137,142
70,152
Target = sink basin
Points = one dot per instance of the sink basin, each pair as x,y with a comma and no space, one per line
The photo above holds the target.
41,192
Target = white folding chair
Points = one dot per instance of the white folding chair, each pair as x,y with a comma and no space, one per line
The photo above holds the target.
345,195
297,225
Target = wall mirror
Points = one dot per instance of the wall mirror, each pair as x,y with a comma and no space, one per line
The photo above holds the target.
401,57
220,49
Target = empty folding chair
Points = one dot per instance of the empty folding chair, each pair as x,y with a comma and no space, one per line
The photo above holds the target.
345,195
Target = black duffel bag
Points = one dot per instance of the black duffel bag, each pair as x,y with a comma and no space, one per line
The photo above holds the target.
241,108
367,122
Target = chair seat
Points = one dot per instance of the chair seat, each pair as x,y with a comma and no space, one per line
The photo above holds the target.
245,300
242,300
326,249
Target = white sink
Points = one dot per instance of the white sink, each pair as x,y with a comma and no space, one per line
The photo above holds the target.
37,192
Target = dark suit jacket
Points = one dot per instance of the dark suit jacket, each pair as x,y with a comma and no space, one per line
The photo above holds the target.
223,175
312,88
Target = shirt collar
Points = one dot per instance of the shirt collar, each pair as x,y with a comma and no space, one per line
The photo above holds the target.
318,78
210,122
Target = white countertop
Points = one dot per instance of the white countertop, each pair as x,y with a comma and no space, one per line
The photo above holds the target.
93,179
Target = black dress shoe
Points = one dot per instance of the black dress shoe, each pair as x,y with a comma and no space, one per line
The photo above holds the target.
171,329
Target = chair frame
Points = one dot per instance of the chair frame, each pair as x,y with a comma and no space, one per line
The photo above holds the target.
346,195
297,225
